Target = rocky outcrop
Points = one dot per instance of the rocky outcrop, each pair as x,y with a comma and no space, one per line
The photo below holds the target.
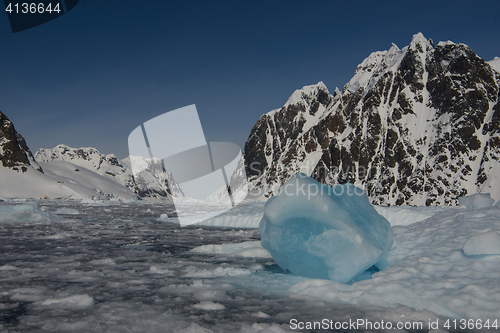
14,153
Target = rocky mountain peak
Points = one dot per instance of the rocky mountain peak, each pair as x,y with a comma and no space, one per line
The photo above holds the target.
307,94
373,67
420,43
418,125
14,153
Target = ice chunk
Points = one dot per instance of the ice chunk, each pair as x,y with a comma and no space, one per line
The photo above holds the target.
325,232
75,301
209,306
27,212
479,200
67,211
194,272
250,249
485,243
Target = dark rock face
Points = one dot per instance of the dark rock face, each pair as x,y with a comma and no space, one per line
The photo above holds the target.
14,153
414,126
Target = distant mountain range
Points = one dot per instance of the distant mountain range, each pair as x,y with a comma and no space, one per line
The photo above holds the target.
83,173
418,125
151,183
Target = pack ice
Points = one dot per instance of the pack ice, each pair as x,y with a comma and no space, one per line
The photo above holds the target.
27,212
319,231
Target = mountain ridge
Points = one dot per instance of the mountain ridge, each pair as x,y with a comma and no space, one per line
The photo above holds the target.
418,125
151,183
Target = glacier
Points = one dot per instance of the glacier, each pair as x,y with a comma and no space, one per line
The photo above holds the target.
319,231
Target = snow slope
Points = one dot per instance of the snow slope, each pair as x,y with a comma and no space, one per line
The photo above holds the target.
83,180
151,183
60,180
495,64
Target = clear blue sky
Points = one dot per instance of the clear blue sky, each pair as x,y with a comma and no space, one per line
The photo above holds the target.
91,76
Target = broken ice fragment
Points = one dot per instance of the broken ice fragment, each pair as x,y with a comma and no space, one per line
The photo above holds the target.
324,232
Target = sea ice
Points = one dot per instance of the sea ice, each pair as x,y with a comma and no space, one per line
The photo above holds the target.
27,212
209,306
479,200
252,249
244,215
75,301
484,243
67,211
428,271
319,231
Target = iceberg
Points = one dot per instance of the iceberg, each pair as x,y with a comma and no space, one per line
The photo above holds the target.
324,232
478,200
27,212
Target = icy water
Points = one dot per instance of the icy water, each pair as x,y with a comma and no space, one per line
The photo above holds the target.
115,268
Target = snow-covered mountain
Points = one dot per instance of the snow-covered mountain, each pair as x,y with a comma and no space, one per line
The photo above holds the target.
418,125
22,176
151,183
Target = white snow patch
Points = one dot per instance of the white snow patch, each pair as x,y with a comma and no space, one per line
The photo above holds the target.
405,215
445,43
261,314
485,243
159,270
251,249
209,306
195,272
495,64
7,268
75,302
67,211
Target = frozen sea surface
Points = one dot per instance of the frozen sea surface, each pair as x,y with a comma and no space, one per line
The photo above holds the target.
115,267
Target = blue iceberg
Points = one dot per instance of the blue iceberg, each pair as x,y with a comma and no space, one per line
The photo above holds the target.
324,232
